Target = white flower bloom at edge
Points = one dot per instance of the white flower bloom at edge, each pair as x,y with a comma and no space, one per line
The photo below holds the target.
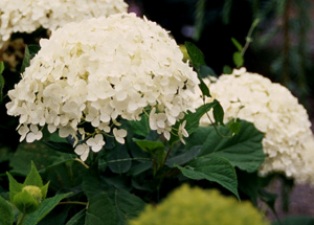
96,143
27,16
117,69
182,132
34,134
82,150
288,141
119,135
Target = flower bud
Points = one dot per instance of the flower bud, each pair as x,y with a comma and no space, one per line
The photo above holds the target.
28,200
185,53
34,191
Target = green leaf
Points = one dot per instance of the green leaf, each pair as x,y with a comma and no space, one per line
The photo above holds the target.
192,119
44,190
78,218
140,127
59,146
183,158
44,208
199,64
115,207
149,146
1,67
238,59
218,113
204,88
226,11
100,208
140,168
118,162
237,44
294,220
234,126
57,216
156,149
25,202
6,212
14,186
65,176
30,52
6,154
250,185
206,71
244,150
2,81
33,177
227,69
195,54
128,205
43,157
213,169
54,137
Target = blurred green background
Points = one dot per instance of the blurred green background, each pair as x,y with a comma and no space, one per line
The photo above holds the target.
282,46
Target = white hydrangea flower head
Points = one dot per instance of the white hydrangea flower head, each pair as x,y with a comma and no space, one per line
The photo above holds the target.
25,16
275,112
119,68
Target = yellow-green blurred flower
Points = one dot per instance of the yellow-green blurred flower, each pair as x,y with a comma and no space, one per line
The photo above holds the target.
187,206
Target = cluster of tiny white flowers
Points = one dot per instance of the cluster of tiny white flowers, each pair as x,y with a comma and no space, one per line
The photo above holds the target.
26,16
274,111
99,71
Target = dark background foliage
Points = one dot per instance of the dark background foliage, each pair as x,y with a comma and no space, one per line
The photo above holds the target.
281,47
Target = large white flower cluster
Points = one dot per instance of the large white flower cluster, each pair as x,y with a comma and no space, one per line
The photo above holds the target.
26,16
288,141
99,71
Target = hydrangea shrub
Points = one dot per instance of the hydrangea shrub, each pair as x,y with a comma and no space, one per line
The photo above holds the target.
288,142
123,66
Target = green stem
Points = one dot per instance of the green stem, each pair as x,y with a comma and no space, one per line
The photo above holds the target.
286,45
21,219
127,159
248,38
199,18
215,125
304,21
82,162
